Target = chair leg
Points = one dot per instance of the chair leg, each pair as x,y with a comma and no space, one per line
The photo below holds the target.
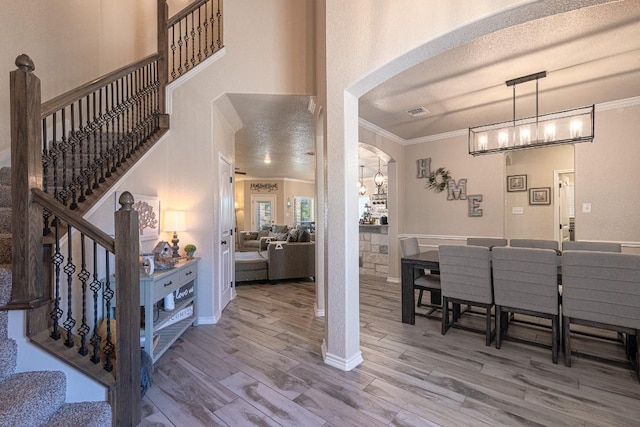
420,298
445,315
555,320
489,333
566,323
498,326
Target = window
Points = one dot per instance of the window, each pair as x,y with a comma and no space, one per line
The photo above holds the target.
303,213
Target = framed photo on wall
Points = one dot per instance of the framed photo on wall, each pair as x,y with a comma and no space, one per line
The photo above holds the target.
540,196
148,208
516,183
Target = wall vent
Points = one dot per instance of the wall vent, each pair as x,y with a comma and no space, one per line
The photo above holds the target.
417,112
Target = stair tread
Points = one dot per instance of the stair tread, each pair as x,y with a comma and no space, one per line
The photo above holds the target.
37,393
82,414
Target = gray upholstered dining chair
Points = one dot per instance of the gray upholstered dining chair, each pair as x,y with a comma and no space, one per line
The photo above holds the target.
465,278
421,280
488,242
591,246
525,280
600,289
534,243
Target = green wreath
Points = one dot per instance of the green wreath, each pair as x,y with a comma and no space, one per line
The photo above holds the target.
441,184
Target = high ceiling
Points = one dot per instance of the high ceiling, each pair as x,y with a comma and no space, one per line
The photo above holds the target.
591,56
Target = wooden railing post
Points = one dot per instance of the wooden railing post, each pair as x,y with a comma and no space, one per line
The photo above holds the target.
127,401
26,172
163,64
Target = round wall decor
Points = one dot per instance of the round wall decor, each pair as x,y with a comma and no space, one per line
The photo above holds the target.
438,179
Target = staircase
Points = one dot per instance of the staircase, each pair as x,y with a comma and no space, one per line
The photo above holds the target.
33,398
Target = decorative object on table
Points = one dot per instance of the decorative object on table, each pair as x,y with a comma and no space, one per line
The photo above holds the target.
438,179
148,208
169,302
190,250
162,251
516,183
540,196
175,221
148,263
565,127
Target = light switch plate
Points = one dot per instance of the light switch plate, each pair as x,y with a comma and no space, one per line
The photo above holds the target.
517,210
586,208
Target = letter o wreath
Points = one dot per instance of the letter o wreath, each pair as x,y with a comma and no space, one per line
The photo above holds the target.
438,179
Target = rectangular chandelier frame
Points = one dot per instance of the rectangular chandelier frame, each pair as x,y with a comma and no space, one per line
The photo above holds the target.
565,127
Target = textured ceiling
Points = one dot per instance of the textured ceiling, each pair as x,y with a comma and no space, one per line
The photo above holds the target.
591,55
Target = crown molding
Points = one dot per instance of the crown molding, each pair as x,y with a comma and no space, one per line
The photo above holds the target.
620,103
382,132
438,136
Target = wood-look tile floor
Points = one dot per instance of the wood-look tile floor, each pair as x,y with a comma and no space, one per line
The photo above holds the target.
262,365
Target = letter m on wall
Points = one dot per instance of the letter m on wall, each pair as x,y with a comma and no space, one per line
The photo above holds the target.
457,192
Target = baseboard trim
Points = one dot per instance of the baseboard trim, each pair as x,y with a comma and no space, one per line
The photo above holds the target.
318,312
339,362
209,320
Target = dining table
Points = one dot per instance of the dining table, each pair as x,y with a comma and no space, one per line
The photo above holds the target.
424,260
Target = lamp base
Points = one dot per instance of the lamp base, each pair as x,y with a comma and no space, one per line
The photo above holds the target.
175,246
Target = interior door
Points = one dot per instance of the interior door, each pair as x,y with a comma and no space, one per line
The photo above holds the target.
263,210
226,232
564,209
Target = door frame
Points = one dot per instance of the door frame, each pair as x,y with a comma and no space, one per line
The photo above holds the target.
225,231
556,202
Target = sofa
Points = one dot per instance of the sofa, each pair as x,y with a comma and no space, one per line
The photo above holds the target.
257,240
290,260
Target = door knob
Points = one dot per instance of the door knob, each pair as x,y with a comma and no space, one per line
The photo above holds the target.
224,242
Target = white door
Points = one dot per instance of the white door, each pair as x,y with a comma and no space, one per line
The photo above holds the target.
563,204
226,232
564,209
263,210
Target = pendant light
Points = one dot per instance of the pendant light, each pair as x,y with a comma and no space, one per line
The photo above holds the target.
362,190
378,179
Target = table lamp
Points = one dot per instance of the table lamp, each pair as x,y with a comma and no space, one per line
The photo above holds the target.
175,221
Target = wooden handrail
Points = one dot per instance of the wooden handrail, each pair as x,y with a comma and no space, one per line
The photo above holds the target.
184,12
80,92
73,219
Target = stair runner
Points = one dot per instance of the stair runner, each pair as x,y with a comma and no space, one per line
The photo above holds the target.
35,398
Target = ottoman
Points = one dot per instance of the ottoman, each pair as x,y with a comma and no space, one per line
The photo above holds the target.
250,266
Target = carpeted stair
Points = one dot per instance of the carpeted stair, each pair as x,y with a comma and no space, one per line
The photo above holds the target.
34,398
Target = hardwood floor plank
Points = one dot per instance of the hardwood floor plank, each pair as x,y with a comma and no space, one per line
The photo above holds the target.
409,419
282,410
241,413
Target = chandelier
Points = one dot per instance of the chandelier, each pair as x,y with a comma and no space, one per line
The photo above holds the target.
362,190
565,127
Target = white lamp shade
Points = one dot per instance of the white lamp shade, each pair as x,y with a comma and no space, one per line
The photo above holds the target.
174,221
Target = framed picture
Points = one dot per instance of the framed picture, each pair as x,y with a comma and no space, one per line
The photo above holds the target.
540,196
517,183
148,208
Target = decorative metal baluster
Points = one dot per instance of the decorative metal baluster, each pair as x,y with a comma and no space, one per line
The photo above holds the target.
108,295
113,152
84,276
119,118
57,260
86,142
46,214
103,156
107,137
95,286
139,117
173,53
219,15
213,26
180,69
54,153
69,270
206,31
193,40
127,112
156,98
199,35
95,160
73,140
186,44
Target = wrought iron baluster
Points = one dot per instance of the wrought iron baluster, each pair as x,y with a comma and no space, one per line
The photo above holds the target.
95,286
63,194
212,19
108,295
95,160
180,43
84,276
128,114
69,270
186,44
102,155
46,214
206,31
193,40
219,15
107,137
56,260
54,153
199,35
73,140
86,141
173,52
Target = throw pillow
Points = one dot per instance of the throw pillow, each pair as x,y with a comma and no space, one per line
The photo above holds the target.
263,233
281,236
304,236
293,235
280,229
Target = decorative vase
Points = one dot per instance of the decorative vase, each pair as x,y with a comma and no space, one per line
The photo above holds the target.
190,254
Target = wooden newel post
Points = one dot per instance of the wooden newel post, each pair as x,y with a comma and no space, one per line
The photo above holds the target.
127,402
163,64
26,173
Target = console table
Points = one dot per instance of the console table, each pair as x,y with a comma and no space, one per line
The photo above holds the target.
163,323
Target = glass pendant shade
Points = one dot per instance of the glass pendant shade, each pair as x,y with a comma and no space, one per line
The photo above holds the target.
362,189
378,179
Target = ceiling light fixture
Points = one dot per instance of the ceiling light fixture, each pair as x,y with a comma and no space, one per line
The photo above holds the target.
378,179
565,127
362,190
